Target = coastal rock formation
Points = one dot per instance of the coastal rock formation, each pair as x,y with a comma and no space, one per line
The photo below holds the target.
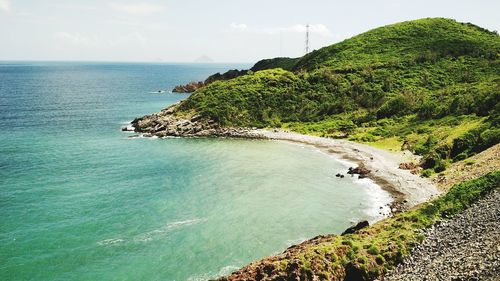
167,123
188,88
267,269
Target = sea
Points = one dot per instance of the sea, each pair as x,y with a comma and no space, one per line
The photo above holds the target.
82,200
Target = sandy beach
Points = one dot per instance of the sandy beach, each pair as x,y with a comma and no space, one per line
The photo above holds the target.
406,188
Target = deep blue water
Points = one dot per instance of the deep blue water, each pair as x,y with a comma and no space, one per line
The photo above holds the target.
80,200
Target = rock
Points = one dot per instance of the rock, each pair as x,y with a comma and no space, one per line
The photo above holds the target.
361,170
167,123
406,145
188,88
408,166
356,228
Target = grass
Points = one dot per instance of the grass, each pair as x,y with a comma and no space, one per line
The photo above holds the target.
390,143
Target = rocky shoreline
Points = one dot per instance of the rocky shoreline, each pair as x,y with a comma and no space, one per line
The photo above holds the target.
167,124
382,167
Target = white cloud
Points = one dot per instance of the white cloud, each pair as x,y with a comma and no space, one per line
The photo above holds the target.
75,38
154,26
78,40
5,5
238,26
129,39
137,9
318,29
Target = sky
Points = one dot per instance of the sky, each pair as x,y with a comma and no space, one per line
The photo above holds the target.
223,30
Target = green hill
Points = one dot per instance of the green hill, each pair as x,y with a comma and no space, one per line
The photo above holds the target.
421,40
433,84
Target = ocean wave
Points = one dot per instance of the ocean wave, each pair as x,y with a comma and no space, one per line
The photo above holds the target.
226,270
111,241
160,232
379,200
291,242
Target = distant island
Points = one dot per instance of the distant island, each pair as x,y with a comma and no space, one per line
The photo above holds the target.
430,87
204,59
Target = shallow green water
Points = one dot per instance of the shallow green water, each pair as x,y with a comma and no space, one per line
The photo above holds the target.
80,200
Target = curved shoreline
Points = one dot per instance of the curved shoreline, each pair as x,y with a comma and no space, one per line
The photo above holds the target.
406,188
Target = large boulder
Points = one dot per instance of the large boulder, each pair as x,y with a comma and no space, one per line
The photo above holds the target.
356,228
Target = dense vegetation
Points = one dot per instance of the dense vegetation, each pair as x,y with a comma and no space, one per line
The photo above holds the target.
282,62
377,249
433,84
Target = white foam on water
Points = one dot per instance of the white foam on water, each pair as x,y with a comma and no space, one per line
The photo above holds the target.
160,232
378,206
226,270
291,242
379,201
111,241
160,92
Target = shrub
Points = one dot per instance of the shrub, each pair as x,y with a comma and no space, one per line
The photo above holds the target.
460,157
373,250
488,138
427,146
427,173
428,110
440,166
394,107
464,143
444,151
379,259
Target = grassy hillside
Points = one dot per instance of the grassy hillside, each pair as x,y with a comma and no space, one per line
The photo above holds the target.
433,84
420,40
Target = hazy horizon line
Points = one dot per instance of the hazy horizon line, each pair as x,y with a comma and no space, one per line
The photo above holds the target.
126,61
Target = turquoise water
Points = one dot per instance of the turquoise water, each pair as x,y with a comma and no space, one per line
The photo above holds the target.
80,200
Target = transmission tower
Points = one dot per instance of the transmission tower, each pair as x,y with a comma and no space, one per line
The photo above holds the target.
307,39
